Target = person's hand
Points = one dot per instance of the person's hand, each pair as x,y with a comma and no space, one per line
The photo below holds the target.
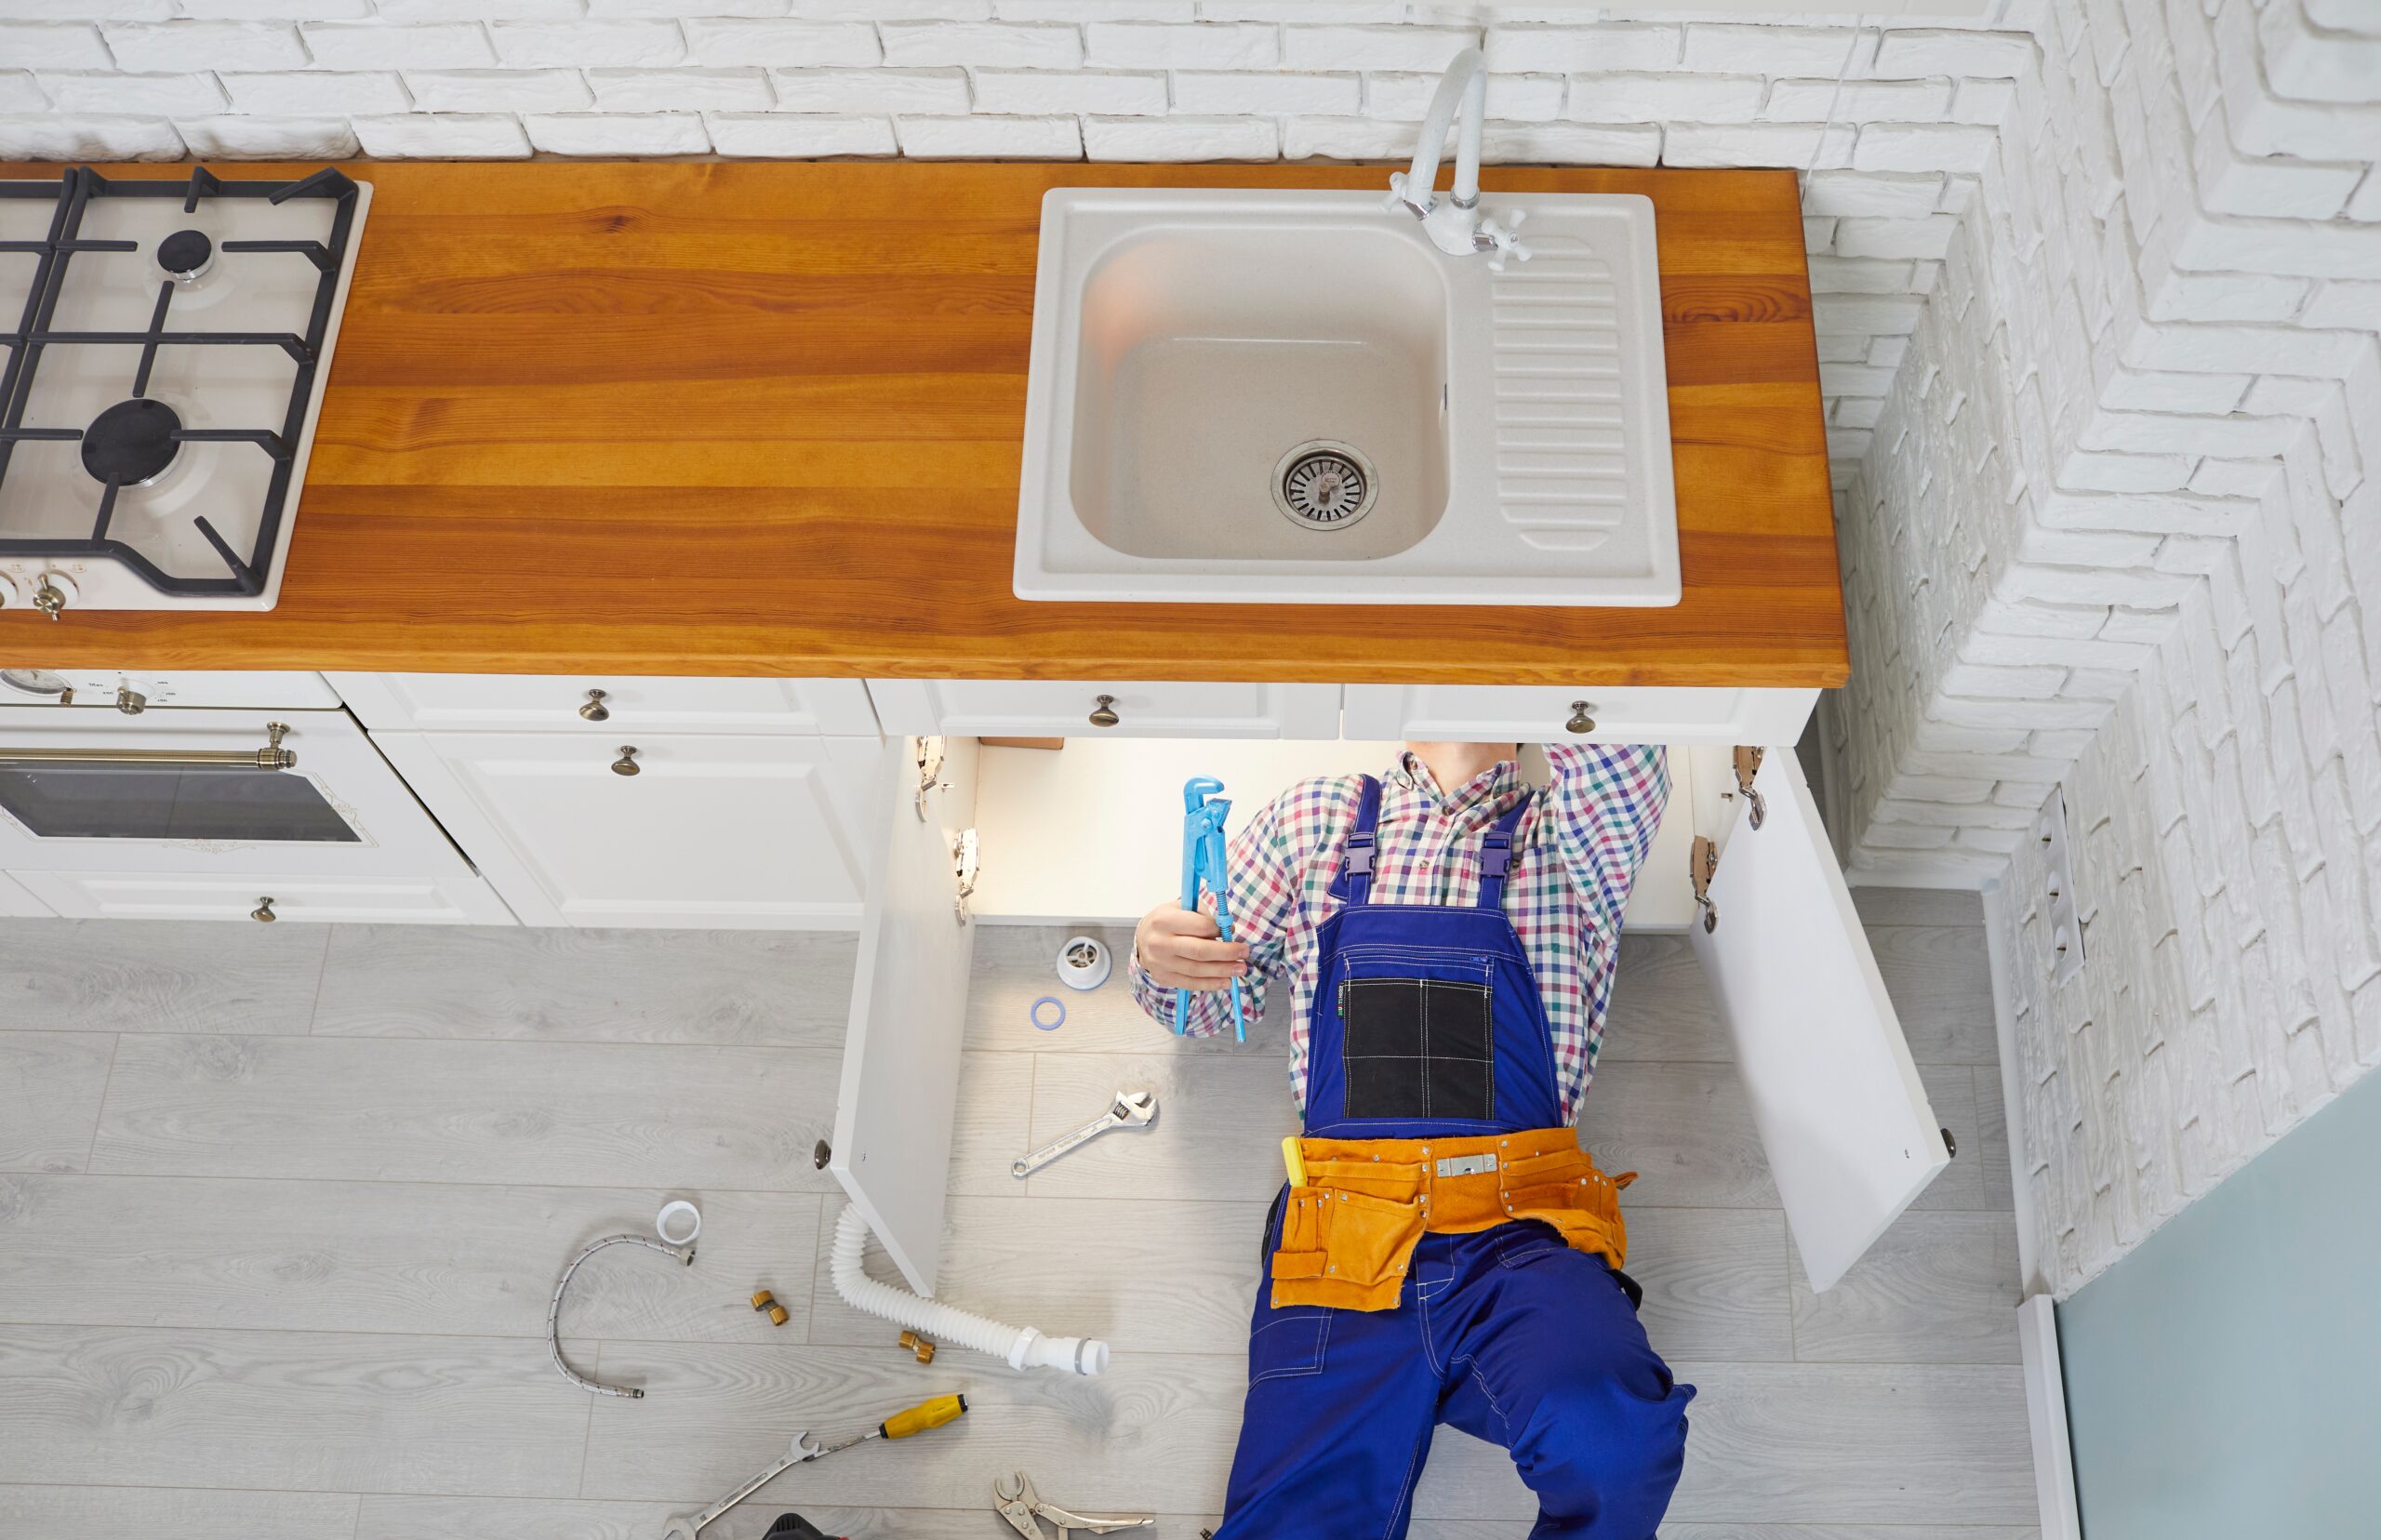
1178,950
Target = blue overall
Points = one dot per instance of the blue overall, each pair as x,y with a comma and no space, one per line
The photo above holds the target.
1428,1024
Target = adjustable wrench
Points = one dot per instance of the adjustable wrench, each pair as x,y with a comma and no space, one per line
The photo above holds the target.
1132,1109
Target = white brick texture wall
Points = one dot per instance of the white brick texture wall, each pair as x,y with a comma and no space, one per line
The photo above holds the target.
2115,530
2096,288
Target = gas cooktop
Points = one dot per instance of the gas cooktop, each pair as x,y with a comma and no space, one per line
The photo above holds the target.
168,342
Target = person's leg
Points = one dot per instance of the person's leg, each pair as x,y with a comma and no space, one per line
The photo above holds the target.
1341,1405
1546,1357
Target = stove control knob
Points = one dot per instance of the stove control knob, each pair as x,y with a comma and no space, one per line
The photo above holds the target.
52,592
7,590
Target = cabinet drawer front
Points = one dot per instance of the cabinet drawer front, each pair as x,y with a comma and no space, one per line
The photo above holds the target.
458,899
1051,708
665,829
1532,714
608,703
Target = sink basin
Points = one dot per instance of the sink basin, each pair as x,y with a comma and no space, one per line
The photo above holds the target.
1292,396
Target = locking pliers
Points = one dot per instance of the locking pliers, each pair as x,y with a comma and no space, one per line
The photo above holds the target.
1017,1502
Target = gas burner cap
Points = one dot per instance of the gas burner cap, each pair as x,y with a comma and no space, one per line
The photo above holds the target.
186,255
131,443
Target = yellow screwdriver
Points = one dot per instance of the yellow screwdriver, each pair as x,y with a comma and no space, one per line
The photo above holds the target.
917,1419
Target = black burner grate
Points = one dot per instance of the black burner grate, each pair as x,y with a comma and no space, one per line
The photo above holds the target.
130,436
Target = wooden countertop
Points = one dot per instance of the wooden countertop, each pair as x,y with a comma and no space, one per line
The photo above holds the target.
765,418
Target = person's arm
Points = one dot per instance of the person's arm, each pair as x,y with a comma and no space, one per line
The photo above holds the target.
1604,805
1173,947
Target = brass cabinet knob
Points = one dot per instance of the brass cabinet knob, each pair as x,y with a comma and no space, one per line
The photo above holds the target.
1581,721
1103,712
264,911
626,764
595,710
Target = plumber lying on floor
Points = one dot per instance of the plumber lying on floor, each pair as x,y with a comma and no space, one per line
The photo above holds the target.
1448,1253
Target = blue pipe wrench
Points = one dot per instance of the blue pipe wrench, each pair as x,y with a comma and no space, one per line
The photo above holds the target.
1202,861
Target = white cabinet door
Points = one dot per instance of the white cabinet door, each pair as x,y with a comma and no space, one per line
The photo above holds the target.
600,705
1047,708
1850,1137
1542,713
901,1058
455,899
16,903
757,832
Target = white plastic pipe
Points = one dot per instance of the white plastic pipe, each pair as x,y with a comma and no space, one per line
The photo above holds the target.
1022,1346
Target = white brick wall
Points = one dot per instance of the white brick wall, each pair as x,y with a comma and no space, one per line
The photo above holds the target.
2096,288
2116,529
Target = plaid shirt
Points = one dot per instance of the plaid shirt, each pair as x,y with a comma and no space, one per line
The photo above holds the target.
1575,854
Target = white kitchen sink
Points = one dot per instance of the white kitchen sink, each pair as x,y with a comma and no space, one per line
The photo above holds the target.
1292,396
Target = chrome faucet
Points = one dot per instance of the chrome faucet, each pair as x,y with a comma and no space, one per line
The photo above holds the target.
1454,223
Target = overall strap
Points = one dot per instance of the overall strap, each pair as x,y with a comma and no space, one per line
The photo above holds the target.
1497,855
1354,884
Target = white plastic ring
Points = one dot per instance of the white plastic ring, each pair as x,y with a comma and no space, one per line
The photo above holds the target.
674,1209
1083,962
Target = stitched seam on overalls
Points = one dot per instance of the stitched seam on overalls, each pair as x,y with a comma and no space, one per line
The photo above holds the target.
1480,1380
1413,1478
1321,1352
1422,1012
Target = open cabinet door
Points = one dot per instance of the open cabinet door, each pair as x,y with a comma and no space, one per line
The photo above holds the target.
900,1085
1850,1137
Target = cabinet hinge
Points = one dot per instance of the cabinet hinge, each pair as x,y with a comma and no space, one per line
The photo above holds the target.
929,761
963,868
1702,862
1748,766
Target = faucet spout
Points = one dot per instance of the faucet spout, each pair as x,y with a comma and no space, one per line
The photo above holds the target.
1453,224
1462,99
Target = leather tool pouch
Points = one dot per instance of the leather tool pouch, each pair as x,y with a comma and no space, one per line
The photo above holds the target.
1348,1232
1348,1250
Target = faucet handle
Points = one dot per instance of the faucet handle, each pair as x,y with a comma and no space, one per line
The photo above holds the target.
1503,241
1401,199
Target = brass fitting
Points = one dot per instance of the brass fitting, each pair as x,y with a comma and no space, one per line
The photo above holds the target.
922,1346
764,1301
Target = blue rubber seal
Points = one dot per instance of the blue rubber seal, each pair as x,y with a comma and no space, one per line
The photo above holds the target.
1035,1012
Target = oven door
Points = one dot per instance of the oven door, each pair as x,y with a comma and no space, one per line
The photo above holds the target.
191,790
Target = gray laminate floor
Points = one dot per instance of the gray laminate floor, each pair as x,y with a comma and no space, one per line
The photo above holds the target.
280,1209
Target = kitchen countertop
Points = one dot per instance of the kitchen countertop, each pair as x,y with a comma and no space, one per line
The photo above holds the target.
764,417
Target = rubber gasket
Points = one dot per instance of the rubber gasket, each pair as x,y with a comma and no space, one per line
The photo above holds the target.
1033,1013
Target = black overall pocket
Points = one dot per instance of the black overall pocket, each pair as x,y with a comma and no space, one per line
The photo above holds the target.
1417,1038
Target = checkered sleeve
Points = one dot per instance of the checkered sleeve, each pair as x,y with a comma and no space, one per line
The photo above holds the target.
1265,886
1605,802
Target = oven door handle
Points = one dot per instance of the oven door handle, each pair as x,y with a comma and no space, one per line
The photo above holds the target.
273,756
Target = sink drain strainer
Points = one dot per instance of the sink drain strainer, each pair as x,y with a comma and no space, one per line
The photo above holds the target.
1325,484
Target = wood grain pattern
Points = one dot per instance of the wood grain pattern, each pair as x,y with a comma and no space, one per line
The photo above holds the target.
309,1411
1686,1129
623,1115
50,1085
581,986
441,1259
117,1512
89,975
1941,986
1937,1288
575,375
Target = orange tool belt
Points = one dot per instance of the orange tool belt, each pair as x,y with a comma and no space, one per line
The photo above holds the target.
1357,1207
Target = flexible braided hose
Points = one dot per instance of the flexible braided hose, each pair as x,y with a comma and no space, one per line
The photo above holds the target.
1021,1347
686,1256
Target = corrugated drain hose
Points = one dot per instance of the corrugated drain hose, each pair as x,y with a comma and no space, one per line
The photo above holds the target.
1022,1346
